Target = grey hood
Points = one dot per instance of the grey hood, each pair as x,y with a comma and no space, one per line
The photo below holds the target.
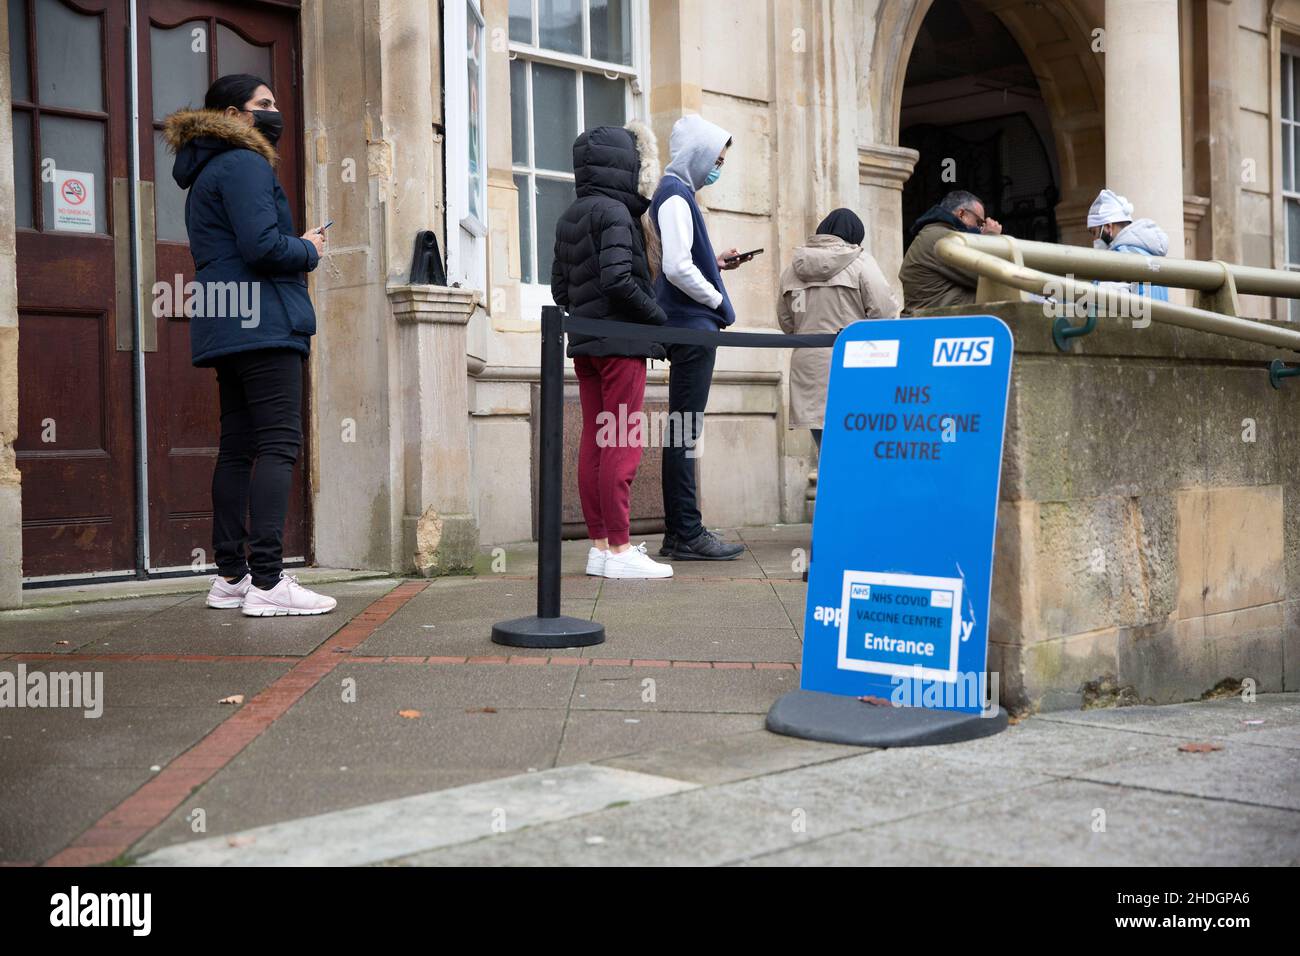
695,144
1144,234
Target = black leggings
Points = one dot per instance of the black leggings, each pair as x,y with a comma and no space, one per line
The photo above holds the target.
261,433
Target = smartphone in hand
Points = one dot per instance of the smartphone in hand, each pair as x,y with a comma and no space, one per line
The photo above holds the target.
742,257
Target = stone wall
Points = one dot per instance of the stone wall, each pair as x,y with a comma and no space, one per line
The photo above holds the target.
11,511
1148,543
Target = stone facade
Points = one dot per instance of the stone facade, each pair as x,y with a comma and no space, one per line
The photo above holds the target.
421,431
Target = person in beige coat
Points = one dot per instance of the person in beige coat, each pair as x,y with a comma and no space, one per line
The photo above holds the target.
831,283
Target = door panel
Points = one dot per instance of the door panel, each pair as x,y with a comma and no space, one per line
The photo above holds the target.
190,43
75,446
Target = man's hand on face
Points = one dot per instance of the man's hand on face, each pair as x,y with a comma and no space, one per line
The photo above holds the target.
723,256
991,227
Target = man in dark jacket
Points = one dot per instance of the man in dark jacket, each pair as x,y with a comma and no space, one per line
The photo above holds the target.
928,281
601,272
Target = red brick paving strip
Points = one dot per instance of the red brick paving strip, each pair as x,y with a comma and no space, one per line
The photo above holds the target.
149,806
535,660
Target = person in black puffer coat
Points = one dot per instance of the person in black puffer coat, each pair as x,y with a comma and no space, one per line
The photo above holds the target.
601,272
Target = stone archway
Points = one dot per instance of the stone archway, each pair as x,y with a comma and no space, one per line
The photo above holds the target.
1056,39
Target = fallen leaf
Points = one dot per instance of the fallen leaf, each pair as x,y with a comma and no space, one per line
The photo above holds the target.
232,699
481,710
240,840
875,701
408,714
1199,748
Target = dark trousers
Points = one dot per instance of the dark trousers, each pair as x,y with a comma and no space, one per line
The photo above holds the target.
261,434
690,374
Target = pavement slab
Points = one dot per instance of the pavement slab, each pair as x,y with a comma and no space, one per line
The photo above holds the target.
454,617
1241,773
662,689
731,758
598,734
379,832
191,627
1058,824
44,630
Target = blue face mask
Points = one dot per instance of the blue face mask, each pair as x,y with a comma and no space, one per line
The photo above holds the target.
713,176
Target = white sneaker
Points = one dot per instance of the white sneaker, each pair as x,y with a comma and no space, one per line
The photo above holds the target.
635,563
287,597
596,562
223,594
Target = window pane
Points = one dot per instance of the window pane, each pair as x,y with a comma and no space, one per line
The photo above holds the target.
180,76
553,197
69,57
603,102
23,205
18,77
1295,87
1292,231
474,60
611,31
237,55
525,230
1288,181
521,21
75,144
560,25
519,112
168,198
1288,64
555,116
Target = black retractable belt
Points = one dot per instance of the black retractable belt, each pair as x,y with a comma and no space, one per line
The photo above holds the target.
549,628
669,335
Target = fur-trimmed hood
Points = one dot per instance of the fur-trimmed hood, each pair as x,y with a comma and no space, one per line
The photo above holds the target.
647,148
195,136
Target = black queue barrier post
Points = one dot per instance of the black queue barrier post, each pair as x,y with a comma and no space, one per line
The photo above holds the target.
548,627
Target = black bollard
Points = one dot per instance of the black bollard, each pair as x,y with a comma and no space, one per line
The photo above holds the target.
549,628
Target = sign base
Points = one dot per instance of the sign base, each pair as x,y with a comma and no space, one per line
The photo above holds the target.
552,632
836,719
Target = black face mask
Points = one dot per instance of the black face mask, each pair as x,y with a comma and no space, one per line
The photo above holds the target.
269,123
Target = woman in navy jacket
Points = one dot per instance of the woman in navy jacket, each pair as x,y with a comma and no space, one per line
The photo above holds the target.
252,322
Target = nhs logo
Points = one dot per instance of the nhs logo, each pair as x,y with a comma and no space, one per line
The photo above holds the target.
974,351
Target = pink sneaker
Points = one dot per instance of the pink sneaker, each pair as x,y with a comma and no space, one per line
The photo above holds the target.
223,594
287,597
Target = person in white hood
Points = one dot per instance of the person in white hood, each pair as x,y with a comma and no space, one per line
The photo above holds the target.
1113,228
690,290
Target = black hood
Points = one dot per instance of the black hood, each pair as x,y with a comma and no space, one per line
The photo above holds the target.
606,162
940,215
196,136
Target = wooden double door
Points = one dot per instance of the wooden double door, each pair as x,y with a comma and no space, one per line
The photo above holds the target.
117,431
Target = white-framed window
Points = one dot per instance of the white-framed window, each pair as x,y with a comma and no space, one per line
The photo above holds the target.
1290,162
466,85
574,64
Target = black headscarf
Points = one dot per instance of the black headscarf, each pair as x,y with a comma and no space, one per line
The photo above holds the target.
845,224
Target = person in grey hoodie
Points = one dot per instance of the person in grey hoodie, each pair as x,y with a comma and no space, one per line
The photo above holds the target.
690,290
830,283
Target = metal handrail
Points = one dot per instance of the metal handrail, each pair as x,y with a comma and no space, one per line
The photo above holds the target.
1122,266
985,256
